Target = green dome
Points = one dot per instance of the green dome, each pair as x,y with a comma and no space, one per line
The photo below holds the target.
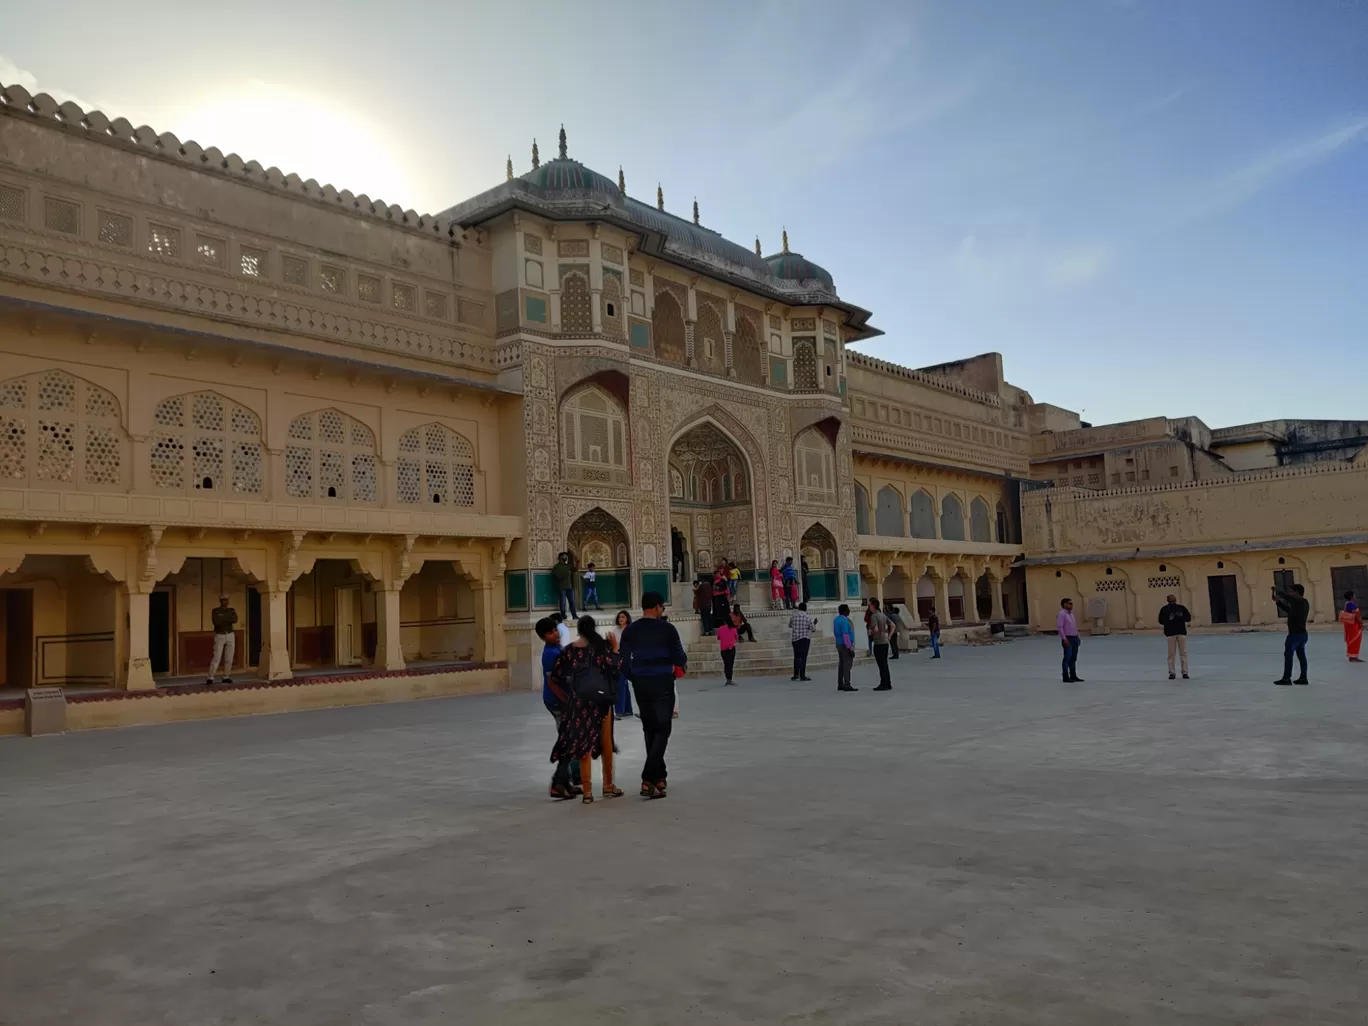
794,267
566,175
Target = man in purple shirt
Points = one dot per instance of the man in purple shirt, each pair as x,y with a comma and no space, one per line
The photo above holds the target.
1068,636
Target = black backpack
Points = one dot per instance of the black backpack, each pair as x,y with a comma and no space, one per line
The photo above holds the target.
592,684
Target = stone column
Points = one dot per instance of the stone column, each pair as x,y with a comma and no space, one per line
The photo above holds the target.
879,581
996,584
943,599
489,640
728,337
389,654
274,663
135,669
690,356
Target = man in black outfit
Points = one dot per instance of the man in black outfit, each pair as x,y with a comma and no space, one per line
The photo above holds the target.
651,654
1293,603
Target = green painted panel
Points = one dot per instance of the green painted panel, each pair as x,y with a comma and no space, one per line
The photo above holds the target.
515,590
536,309
824,584
614,589
852,585
544,590
778,371
841,388
656,580
641,335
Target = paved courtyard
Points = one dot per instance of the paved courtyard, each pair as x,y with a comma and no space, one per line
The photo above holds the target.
982,845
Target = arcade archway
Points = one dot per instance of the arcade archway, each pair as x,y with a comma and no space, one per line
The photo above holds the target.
598,538
712,518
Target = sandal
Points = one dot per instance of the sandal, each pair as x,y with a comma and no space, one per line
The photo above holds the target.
609,791
561,793
647,789
588,798
660,789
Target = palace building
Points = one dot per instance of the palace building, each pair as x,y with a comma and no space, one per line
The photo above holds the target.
376,431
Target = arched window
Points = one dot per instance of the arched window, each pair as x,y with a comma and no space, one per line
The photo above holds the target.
56,429
436,465
676,483
330,455
576,303
814,468
747,350
667,327
861,509
888,512
709,342
204,442
952,519
594,437
923,516
979,529
805,377
612,314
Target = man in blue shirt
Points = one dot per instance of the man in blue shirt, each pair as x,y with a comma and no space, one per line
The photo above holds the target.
844,633
565,781
790,576
652,657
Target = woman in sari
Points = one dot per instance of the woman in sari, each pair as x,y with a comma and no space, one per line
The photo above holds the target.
1352,618
585,678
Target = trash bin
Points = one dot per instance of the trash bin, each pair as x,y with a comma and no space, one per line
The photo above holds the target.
45,711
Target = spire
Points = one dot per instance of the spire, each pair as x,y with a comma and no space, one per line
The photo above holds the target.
695,210
757,246
622,180
786,249
660,197
509,167
562,142
536,157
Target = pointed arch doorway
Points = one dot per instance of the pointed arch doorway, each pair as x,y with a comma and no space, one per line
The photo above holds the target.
711,501
598,537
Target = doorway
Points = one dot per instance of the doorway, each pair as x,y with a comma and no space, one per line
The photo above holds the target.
1349,578
18,637
253,627
347,622
159,629
1225,599
1283,581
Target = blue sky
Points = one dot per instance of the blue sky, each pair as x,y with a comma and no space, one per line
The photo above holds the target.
1148,206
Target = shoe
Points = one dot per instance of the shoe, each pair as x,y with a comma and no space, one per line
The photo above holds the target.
1185,676
1301,680
935,657
884,687
730,684
1283,681
847,688
209,681
226,680
1172,677
809,679
1075,680
793,678
617,716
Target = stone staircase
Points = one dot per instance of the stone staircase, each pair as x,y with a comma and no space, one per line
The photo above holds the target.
767,656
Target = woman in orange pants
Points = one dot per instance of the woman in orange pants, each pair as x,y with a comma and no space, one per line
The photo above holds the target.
586,674
1352,618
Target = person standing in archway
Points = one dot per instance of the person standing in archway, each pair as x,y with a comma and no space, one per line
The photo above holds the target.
721,596
790,576
1174,619
803,573
563,576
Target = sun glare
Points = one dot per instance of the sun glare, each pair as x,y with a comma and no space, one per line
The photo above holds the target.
294,132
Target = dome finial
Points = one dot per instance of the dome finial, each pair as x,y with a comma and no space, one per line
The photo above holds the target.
622,180
757,246
660,197
562,141
695,210
509,167
536,157
786,249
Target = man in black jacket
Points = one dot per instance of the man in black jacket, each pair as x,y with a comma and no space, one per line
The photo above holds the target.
1293,603
652,657
1174,619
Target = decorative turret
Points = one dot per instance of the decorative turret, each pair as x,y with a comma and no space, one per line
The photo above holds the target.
660,197
562,142
622,180
536,157
757,246
786,249
695,210
509,167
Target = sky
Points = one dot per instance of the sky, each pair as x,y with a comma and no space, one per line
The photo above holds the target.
1149,207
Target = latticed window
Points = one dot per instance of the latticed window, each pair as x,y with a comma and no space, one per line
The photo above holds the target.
402,297
116,229
329,455
805,377
163,241
814,465
367,288
56,429
575,304
61,215
595,433
204,442
252,262
210,250
294,270
435,465
332,279
11,204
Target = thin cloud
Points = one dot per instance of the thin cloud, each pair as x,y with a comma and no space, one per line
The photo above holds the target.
1168,99
1025,265
12,74
1238,187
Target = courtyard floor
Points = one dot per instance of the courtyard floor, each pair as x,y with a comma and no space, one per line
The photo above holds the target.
982,845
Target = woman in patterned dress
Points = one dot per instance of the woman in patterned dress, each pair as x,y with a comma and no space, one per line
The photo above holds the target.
586,728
